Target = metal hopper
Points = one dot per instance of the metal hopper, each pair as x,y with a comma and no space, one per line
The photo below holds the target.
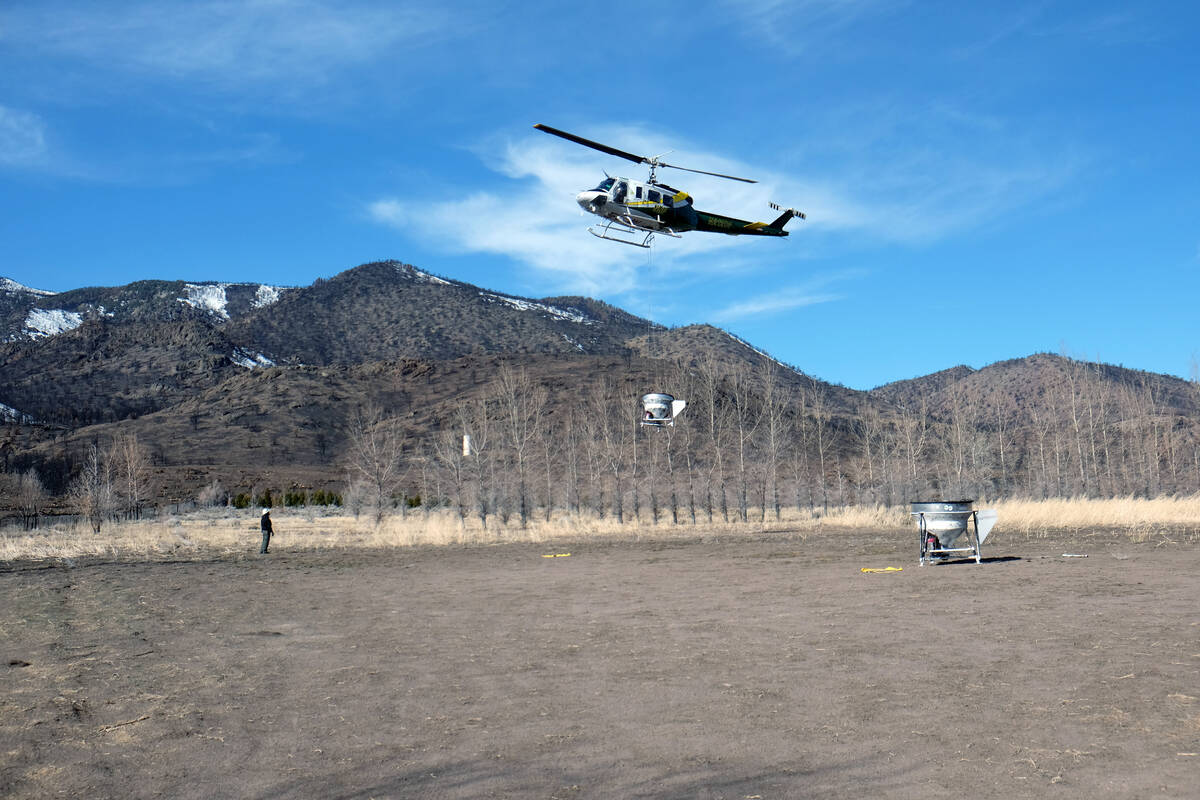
951,527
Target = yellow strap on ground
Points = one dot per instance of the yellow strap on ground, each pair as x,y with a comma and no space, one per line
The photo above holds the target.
555,555
882,569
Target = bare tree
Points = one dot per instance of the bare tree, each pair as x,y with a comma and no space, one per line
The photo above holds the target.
629,431
1041,430
31,495
1002,443
1075,391
354,497
474,420
452,449
1099,407
716,424
685,380
747,415
611,412
592,440
799,460
376,446
873,447
574,470
774,415
131,473
653,447
521,406
958,447
92,490
213,494
1059,450
821,417
556,449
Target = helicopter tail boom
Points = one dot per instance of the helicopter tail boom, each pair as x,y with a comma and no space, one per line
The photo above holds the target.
716,223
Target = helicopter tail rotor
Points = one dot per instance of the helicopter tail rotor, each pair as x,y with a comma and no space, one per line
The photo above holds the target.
787,216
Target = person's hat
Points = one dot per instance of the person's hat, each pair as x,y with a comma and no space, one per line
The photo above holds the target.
266,511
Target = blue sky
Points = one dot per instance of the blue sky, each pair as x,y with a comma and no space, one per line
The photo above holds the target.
982,181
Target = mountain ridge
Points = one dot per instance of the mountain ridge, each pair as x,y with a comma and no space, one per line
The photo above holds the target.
225,379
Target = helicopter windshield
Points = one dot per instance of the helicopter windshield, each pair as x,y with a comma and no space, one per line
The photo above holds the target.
605,185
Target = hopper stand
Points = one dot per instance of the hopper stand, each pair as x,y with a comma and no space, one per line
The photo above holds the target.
951,528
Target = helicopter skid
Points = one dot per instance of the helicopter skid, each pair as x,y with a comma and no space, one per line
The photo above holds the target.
625,233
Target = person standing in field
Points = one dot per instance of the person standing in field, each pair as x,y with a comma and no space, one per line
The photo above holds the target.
265,524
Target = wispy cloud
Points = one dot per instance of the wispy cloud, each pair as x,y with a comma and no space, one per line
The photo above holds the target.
230,44
916,172
798,27
22,138
772,303
1005,26
788,298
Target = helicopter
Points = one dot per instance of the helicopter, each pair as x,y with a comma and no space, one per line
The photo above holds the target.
634,211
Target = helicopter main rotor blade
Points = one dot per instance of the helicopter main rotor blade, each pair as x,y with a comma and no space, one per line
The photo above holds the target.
702,172
603,148
612,151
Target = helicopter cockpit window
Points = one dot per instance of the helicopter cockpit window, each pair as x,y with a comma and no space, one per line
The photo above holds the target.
605,185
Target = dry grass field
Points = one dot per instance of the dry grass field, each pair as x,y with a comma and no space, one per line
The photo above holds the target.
228,531
418,660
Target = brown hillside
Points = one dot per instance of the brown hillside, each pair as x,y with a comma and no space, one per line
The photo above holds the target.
1042,384
389,310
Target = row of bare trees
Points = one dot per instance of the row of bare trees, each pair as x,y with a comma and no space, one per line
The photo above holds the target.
748,444
752,442
1083,435
755,441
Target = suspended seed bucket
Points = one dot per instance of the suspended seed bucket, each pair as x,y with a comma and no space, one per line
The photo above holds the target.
951,528
660,409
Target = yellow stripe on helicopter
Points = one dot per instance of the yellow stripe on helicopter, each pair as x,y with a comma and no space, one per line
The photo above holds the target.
648,205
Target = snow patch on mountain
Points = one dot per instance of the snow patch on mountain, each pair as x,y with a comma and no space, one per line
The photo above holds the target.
207,297
9,285
266,295
571,315
51,322
427,278
249,359
749,346
10,414
571,341
416,274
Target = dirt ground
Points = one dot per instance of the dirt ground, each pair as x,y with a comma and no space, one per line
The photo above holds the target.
740,668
